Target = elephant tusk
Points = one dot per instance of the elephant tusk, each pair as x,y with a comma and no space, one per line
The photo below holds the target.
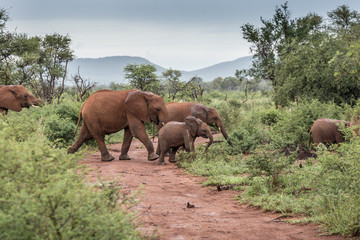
162,123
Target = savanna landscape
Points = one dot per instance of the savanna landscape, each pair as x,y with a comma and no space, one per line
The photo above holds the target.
265,178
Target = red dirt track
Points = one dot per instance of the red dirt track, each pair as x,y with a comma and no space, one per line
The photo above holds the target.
168,189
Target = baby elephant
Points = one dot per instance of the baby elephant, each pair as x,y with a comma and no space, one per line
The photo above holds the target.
182,134
325,130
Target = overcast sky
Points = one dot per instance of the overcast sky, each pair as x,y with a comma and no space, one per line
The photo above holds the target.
177,34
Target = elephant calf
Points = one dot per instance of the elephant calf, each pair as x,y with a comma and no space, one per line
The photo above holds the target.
181,134
325,130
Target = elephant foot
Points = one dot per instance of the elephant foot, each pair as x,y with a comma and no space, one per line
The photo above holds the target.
70,150
172,160
124,157
107,158
153,156
161,163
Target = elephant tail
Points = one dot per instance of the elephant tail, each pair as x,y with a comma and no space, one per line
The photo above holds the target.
77,125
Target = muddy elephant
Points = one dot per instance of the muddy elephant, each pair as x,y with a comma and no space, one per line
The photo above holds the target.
16,97
325,130
179,111
174,135
106,112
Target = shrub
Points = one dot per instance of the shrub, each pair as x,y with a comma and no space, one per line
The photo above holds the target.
295,123
59,130
270,116
43,194
244,140
269,165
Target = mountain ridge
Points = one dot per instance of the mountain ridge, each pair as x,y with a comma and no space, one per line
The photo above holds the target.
109,69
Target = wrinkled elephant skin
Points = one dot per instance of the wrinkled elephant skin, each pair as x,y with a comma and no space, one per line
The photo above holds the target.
181,134
106,112
325,130
179,111
16,97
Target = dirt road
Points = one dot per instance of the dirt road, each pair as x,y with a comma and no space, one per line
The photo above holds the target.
212,214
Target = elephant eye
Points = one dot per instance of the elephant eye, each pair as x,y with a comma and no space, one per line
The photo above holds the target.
157,109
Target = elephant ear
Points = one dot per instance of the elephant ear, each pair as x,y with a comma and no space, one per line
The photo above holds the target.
8,99
200,111
193,124
137,104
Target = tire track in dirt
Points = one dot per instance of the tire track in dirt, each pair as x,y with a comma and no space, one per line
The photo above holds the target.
168,189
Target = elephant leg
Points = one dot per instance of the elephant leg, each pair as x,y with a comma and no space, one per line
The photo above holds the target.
158,149
339,138
172,154
105,155
138,130
162,156
126,145
84,135
99,137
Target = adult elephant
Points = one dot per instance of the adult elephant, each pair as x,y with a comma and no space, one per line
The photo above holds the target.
179,111
325,130
16,97
106,112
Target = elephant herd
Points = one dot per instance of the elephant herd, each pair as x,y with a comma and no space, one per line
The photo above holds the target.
178,124
107,111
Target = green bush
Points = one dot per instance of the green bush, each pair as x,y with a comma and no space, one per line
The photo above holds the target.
244,140
270,116
294,125
337,185
59,130
43,193
269,165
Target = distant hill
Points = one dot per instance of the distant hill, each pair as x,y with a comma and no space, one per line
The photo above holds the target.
224,69
111,69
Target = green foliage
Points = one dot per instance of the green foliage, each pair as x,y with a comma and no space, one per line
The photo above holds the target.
59,130
294,125
244,140
269,166
270,116
306,72
216,164
43,193
268,41
346,64
143,77
324,190
337,186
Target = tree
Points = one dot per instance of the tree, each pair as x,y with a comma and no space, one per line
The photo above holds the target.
55,54
194,86
143,77
270,40
347,64
342,17
4,17
307,72
83,87
172,82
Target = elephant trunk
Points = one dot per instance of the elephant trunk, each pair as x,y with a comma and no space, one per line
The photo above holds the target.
36,102
210,142
224,133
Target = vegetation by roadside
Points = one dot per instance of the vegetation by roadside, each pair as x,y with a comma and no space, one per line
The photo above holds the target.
264,163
